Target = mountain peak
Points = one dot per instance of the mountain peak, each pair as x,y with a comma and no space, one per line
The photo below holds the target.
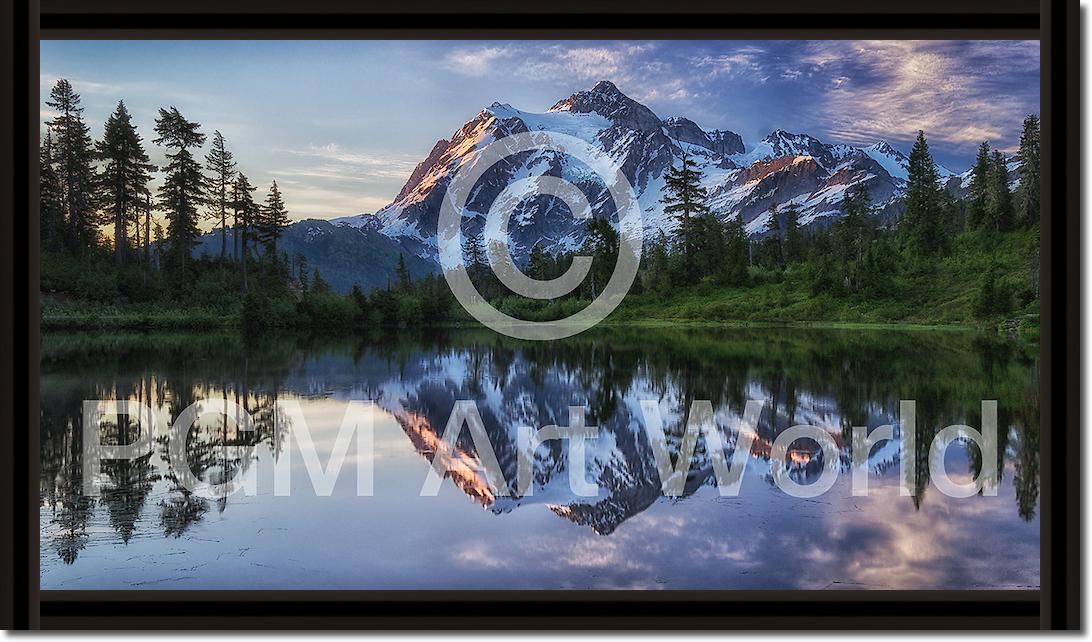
783,143
720,142
607,100
781,134
501,110
606,87
885,147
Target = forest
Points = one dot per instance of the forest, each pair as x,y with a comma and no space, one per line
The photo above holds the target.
115,254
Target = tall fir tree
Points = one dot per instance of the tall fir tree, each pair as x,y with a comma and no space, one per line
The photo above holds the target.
794,237
922,225
708,245
302,271
221,166
51,196
474,257
685,197
978,192
183,190
768,252
736,252
1027,194
146,209
124,180
474,251
74,156
999,198
246,217
853,234
159,239
319,284
273,219
603,243
538,263
401,273
655,267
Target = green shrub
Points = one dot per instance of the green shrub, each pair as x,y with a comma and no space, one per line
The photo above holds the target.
330,309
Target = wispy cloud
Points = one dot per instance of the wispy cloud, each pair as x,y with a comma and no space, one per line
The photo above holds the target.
579,63
334,162
329,180
626,63
750,61
308,200
958,93
474,61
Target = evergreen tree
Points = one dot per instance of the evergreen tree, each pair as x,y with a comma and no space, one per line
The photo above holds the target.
221,165
656,276
385,307
602,243
736,252
768,252
273,218
245,215
991,299
51,196
686,198
821,265
405,283
708,246
853,235
301,271
146,209
319,284
951,216
977,197
538,263
361,300
183,189
879,267
124,179
74,155
921,226
475,261
1027,194
475,251
999,199
160,241
794,238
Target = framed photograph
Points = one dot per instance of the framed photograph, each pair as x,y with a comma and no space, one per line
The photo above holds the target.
578,316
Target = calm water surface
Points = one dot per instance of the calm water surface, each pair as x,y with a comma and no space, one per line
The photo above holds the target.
145,531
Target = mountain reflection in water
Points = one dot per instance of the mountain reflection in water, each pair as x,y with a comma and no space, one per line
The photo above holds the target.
146,530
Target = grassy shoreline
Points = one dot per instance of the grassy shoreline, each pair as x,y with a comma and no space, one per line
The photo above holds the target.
141,318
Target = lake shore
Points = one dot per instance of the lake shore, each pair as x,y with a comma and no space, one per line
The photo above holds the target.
143,318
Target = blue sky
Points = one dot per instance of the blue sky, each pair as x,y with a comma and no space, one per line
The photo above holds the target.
341,124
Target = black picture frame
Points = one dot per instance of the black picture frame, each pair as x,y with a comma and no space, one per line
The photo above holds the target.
1055,606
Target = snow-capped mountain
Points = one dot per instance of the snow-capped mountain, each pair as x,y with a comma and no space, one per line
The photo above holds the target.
759,181
782,170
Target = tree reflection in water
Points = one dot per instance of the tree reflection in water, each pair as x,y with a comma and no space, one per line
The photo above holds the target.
835,379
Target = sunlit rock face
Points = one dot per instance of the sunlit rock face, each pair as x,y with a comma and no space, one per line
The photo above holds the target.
760,182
